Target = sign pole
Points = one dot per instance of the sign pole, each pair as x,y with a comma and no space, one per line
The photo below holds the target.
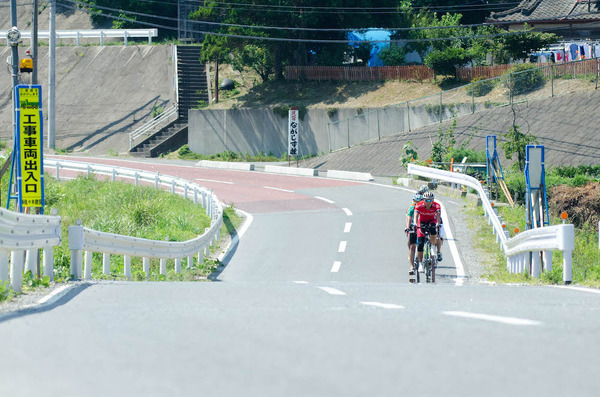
293,143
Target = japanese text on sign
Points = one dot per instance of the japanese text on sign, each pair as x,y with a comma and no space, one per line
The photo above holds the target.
293,144
30,129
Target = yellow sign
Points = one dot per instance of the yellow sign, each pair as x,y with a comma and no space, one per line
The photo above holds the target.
30,132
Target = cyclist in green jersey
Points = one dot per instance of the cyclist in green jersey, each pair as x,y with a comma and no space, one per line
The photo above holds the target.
411,233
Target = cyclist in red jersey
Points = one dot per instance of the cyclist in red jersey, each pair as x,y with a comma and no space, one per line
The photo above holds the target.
427,217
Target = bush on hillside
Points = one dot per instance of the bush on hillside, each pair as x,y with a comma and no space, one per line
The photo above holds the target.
445,62
524,78
480,87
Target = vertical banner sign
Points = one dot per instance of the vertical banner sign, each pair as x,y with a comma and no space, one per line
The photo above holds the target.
30,168
293,132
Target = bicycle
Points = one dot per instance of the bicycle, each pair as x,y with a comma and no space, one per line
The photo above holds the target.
429,260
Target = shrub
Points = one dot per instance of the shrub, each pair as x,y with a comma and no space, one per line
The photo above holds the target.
480,87
445,62
524,78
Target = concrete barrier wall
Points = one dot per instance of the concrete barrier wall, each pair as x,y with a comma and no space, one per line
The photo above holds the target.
254,131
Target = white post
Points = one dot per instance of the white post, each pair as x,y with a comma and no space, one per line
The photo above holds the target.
535,264
57,173
203,199
127,263
125,38
101,38
200,257
136,178
195,195
16,270
78,38
177,265
87,272
76,263
185,192
163,266
567,270
4,259
31,262
89,171
105,263
173,186
156,180
149,37
114,175
146,265
547,261
76,244
49,263
190,261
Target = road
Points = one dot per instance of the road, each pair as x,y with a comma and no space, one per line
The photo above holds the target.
298,313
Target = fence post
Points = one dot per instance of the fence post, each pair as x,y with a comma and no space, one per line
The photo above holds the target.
156,179
472,98
105,263
547,261
408,115
597,70
172,186
348,129
552,79
441,107
4,257
177,265
114,175
57,173
146,265
567,270
76,242
17,259
127,266
195,195
163,266
535,264
185,191
101,38
136,179
49,263
190,261
125,38
31,262
87,272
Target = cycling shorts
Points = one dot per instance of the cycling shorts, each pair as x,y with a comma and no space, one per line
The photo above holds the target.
429,226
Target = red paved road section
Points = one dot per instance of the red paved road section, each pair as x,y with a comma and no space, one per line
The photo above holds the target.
254,192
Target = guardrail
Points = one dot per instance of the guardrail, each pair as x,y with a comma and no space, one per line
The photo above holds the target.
86,240
21,236
90,33
527,250
150,125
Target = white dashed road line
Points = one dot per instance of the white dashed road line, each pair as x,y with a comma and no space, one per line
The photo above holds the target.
347,227
347,211
342,246
580,289
326,200
278,189
383,305
336,267
497,319
301,282
332,291
211,180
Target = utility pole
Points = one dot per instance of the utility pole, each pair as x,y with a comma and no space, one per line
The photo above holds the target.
34,43
51,76
14,45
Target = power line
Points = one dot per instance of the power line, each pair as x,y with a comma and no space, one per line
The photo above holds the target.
280,39
281,27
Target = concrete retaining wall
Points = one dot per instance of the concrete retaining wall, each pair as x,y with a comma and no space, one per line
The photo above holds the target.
254,131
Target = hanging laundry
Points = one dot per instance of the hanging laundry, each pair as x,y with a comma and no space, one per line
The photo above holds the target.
559,56
573,52
597,50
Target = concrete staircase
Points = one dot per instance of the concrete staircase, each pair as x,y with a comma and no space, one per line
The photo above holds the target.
193,88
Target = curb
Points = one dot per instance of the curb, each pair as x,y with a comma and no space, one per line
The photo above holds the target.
225,165
356,176
276,169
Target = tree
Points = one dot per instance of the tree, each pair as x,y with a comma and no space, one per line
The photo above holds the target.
393,55
307,14
256,58
519,46
445,62
516,143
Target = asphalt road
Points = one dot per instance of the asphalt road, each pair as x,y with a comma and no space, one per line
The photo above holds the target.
298,313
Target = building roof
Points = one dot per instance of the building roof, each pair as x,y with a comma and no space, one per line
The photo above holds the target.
549,10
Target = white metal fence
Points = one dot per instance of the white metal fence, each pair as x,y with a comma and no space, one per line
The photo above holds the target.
100,34
21,238
152,124
529,249
86,240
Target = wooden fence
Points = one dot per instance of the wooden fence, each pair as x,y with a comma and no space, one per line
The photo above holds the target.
342,73
573,69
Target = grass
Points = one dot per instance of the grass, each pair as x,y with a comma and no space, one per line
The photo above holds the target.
586,256
125,209
184,153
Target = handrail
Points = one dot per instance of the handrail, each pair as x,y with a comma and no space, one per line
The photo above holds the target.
20,233
88,240
517,249
143,129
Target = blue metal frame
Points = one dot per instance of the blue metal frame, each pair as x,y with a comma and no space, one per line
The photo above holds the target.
542,188
490,157
15,168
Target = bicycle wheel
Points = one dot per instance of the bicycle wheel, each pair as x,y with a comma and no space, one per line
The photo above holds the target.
427,261
417,274
433,266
